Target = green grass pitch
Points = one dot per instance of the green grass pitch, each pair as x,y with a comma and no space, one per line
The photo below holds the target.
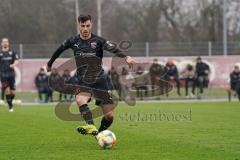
157,131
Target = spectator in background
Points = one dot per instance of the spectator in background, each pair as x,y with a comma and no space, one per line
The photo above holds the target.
67,79
155,71
140,82
188,75
109,78
172,74
235,80
125,84
74,81
124,71
115,79
54,77
201,76
41,82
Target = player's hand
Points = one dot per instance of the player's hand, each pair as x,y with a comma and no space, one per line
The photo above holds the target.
49,69
130,61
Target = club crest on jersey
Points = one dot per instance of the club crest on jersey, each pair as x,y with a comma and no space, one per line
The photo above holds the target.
94,45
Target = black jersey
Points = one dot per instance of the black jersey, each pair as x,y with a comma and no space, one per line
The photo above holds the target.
90,47
6,59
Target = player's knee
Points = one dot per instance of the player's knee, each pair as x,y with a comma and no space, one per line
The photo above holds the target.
81,100
7,91
109,116
12,92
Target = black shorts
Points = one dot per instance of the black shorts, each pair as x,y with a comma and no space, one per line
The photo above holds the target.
100,90
8,82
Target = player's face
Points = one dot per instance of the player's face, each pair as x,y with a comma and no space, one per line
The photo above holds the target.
85,29
5,44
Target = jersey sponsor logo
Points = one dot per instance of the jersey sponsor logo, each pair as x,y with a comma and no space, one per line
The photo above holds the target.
76,45
94,45
85,54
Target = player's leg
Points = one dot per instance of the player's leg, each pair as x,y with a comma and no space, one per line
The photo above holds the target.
3,93
107,118
8,84
10,94
104,99
12,89
82,100
9,99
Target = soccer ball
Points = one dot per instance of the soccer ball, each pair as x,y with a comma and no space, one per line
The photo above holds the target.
106,139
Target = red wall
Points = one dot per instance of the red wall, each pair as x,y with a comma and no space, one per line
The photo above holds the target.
220,66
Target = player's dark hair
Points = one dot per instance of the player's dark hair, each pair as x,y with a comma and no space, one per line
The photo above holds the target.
83,18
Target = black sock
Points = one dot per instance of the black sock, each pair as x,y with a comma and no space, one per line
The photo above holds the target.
86,114
105,124
12,96
9,101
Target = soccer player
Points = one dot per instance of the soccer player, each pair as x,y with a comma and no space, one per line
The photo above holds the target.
8,61
87,44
